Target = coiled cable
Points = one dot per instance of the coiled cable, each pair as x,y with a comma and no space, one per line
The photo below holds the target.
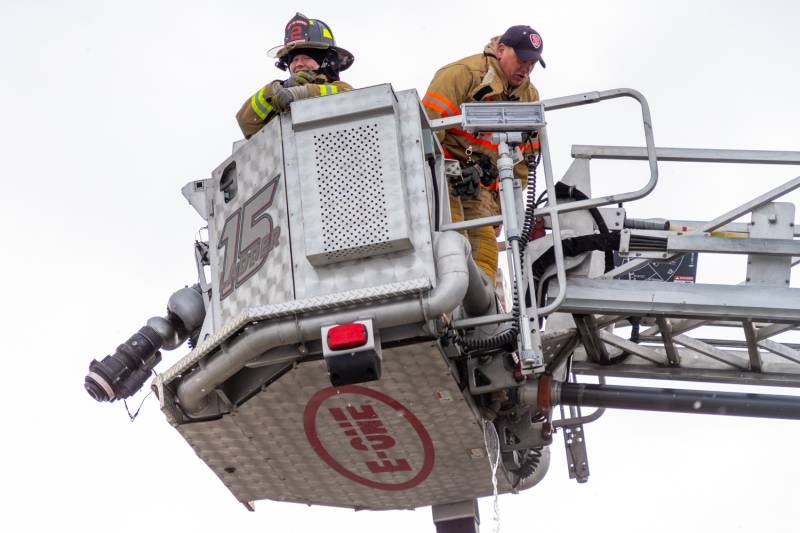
508,337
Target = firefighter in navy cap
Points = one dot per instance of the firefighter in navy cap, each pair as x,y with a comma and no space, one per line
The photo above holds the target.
501,73
313,60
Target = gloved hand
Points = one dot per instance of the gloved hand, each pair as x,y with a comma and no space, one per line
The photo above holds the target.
286,95
490,173
300,78
469,184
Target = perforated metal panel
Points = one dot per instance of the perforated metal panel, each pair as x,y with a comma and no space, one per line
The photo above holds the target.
352,187
350,181
396,120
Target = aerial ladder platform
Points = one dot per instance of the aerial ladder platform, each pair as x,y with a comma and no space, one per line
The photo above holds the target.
346,350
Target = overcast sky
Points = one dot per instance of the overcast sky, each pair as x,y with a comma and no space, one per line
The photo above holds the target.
108,108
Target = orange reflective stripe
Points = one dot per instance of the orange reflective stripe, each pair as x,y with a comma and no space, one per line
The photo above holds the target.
444,101
488,144
530,146
435,107
472,138
483,142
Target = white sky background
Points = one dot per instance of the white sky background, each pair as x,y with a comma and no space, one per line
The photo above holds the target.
108,108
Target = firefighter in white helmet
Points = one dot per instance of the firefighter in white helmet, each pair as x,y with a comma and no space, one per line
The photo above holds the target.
313,60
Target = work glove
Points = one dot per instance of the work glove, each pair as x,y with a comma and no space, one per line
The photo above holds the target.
300,78
490,173
286,95
469,184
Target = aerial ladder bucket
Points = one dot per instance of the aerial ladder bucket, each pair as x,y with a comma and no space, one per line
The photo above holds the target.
346,350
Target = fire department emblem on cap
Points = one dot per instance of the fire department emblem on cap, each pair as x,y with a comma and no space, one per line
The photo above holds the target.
536,41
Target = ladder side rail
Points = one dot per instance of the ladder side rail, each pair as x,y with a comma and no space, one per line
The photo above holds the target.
688,155
718,222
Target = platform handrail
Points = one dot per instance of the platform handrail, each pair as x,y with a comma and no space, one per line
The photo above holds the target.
554,208
594,97
688,155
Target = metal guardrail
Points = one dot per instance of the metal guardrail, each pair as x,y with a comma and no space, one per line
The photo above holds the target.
647,153
553,207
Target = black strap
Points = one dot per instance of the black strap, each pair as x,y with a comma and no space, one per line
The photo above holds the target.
480,93
605,242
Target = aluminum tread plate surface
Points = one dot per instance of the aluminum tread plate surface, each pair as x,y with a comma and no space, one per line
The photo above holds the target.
294,307
264,449
258,162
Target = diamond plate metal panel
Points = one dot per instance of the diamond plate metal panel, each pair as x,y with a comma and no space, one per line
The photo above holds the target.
294,307
408,163
258,162
406,441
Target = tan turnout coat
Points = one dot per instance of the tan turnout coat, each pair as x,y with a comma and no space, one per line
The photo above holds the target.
258,109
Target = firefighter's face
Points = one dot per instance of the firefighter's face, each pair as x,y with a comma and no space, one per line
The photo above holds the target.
303,62
516,70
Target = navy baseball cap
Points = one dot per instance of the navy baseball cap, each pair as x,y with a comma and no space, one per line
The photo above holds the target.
526,42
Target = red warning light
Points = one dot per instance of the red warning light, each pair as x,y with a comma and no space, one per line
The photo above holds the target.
347,336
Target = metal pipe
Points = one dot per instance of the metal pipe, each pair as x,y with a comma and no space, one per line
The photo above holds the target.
451,251
473,223
480,299
475,322
689,155
572,100
505,168
555,222
586,98
578,420
678,401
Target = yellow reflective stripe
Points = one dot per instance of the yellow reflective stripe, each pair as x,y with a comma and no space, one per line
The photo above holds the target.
260,106
325,89
264,104
256,109
326,33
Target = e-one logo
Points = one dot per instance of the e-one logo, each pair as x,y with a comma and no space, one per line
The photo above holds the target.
369,438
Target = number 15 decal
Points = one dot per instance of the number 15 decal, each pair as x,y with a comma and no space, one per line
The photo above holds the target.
248,237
